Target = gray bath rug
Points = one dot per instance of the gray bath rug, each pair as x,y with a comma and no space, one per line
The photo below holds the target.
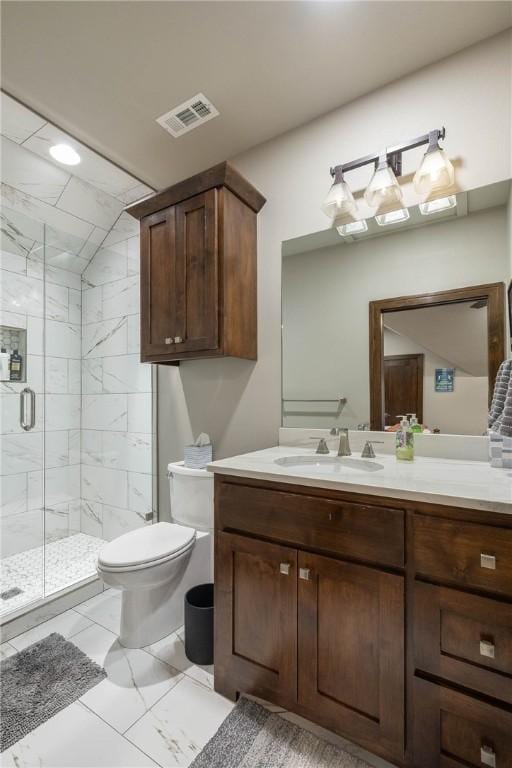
253,737
38,682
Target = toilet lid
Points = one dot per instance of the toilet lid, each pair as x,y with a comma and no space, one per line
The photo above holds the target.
153,542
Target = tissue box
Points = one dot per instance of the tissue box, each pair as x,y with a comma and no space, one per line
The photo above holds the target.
198,456
500,451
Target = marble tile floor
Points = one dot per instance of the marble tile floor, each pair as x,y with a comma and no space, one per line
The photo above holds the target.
39,573
154,708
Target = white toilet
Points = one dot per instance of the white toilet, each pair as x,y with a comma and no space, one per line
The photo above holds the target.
154,566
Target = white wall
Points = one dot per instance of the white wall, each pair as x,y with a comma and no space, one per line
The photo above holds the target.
238,402
326,294
461,412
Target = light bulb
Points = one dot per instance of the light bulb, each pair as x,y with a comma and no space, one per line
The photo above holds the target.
435,175
383,192
437,205
340,200
354,228
65,154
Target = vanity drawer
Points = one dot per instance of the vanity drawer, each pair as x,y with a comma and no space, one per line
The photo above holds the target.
464,638
452,729
371,534
466,554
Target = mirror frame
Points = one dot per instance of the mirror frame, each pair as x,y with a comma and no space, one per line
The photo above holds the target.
494,293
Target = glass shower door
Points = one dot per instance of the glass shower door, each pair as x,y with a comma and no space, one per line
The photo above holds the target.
65,256
22,420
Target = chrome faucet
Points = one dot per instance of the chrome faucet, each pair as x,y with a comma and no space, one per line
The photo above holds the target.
344,446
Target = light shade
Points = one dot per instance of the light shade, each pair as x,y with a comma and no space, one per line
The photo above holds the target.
436,175
392,217
437,205
340,201
65,154
383,192
354,228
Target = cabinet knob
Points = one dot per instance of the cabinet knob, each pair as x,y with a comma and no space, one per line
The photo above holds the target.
487,648
284,568
168,340
487,755
488,561
178,339
305,574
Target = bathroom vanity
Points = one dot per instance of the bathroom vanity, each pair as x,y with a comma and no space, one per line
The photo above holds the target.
375,603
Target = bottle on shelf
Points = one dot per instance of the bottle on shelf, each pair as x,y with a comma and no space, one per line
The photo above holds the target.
16,366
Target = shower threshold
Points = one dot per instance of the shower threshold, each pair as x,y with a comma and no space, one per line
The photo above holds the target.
67,562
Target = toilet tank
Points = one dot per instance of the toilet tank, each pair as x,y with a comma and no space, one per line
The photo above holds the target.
191,496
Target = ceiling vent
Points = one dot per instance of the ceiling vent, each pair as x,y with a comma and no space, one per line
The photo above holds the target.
189,115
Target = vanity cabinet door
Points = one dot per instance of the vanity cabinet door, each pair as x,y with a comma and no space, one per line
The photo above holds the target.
255,618
351,650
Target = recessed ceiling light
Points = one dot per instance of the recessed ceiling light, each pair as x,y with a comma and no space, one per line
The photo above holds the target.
63,153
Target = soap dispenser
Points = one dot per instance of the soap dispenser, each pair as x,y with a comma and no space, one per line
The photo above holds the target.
415,425
404,445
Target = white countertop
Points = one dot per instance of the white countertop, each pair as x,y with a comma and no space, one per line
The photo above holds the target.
470,484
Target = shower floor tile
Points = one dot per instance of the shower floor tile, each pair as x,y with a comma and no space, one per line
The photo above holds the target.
39,573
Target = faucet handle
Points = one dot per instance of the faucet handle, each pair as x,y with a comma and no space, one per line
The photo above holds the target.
368,452
322,446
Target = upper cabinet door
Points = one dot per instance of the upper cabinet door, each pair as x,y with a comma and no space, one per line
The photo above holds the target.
351,650
162,317
197,271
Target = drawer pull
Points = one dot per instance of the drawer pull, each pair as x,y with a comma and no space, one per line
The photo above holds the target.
488,561
284,568
305,574
168,340
487,755
178,340
487,649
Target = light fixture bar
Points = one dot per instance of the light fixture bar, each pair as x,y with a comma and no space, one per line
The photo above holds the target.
393,154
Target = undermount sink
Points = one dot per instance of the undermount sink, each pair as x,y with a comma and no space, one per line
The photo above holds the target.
328,464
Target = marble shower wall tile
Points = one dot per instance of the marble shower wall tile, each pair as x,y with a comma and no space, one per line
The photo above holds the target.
81,199
18,122
30,174
125,373
13,494
107,486
117,521
91,518
105,412
108,337
139,493
107,266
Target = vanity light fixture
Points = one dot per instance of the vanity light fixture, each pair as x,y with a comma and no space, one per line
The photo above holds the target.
433,181
65,154
354,228
384,194
340,200
436,175
438,204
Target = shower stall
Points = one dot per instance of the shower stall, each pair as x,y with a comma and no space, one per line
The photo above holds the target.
76,405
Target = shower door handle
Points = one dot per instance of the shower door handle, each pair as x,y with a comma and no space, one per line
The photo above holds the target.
24,395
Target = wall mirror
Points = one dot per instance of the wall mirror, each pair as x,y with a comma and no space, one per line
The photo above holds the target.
408,318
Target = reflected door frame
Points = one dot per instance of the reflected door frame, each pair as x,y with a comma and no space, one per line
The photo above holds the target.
493,293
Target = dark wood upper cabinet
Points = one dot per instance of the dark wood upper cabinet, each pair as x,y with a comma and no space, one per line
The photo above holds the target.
198,268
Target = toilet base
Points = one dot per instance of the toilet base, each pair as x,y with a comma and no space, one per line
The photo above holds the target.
147,615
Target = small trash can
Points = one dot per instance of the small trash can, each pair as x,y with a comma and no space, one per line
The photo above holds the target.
199,624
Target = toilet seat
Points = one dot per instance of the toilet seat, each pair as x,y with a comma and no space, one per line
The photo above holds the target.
146,547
